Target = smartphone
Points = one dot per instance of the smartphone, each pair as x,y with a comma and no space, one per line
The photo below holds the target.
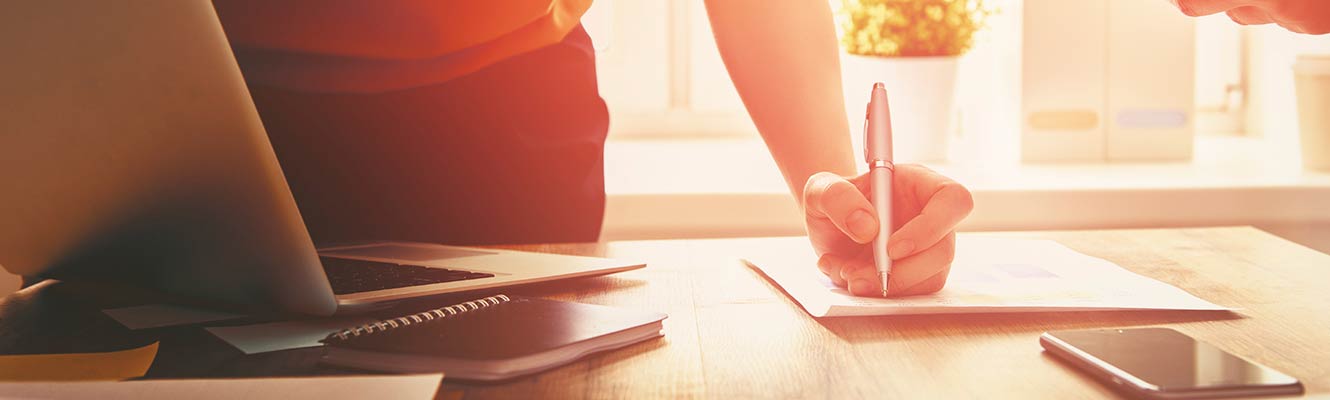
1161,363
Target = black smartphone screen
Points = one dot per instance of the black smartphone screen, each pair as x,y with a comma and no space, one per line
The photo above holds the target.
1165,359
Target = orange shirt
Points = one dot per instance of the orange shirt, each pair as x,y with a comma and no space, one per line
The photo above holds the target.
384,45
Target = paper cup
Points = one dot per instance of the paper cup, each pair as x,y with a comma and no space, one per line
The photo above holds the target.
1312,79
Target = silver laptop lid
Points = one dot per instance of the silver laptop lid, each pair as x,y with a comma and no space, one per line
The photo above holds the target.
130,149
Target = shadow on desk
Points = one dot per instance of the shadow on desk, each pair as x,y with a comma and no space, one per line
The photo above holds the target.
599,285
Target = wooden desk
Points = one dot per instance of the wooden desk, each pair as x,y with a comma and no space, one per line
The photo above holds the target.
732,334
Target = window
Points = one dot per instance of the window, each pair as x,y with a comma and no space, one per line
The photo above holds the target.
660,71
663,78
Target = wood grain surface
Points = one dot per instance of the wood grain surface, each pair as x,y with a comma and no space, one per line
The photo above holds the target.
733,334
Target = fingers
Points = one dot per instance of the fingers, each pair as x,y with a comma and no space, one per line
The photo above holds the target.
925,272
1320,28
1301,16
1198,8
837,209
858,275
1249,16
831,197
946,203
831,266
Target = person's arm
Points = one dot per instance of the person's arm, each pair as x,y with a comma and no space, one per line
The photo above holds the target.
1302,16
390,29
784,61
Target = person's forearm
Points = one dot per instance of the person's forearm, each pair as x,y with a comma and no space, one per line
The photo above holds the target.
392,29
783,58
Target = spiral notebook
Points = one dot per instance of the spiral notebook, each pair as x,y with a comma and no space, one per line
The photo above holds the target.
493,338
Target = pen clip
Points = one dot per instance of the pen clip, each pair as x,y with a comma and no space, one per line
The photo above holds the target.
867,111
877,127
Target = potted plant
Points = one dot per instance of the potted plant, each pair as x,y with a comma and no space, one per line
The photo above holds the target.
912,46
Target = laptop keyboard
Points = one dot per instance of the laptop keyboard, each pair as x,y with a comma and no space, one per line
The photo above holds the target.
355,276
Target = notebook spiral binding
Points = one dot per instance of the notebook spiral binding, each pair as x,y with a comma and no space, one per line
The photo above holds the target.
418,318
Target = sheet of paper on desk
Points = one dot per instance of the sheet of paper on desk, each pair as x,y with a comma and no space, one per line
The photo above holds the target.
285,335
164,315
318,388
989,274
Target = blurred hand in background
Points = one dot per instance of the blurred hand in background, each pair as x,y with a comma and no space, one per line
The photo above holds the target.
1302,16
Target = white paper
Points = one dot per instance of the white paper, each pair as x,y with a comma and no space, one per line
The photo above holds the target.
321,388
162,315
262,338
989,274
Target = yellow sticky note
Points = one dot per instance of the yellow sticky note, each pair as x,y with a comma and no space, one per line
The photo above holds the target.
110,366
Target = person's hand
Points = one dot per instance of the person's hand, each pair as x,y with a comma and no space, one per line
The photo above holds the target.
841,223
1302,16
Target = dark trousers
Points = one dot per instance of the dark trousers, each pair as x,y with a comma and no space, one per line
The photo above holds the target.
509,154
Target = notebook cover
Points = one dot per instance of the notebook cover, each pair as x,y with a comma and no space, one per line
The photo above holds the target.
521,327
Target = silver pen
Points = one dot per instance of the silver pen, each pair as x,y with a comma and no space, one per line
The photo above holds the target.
877,153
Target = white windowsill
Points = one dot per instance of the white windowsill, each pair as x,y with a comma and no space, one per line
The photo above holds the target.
719,188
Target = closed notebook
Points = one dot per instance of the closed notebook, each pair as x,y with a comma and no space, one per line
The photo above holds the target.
493,338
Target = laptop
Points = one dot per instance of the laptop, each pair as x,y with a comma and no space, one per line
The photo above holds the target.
130,150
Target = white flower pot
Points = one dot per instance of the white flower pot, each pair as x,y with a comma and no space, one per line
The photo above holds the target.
921,92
